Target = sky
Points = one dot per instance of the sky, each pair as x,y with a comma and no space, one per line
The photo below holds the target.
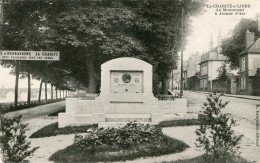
203,26
207,24
8,81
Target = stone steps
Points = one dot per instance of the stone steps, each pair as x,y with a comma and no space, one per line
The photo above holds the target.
127,117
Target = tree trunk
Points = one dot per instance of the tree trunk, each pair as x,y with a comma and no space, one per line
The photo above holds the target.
165,83
51,92
91,76
66,93
40,92
56,93
46,98
16,88
29,89
172,79
60,94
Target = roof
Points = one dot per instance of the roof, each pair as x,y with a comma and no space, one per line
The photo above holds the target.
212,55
254,48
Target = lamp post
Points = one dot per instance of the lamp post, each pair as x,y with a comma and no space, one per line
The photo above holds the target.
181,86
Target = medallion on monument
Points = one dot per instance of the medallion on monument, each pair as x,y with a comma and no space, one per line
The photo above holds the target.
126,81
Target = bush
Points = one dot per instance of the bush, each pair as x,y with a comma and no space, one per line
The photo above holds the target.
215,134
125,137
15,145
3,108
119,144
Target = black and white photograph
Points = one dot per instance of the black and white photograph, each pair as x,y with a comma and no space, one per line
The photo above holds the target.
135,81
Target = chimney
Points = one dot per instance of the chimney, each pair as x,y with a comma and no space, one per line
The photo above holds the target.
250,38
258,22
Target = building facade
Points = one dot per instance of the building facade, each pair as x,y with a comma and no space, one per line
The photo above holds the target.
190,69
209,65
249,66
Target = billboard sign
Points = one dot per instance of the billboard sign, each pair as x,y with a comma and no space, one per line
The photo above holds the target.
30,55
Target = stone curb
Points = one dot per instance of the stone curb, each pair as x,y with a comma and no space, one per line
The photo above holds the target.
228,95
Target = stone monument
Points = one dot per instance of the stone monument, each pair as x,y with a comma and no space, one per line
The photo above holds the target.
126,95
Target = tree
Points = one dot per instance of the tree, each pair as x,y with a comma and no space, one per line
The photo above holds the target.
45,86
40,92
14,31
103,30
223,73
235,44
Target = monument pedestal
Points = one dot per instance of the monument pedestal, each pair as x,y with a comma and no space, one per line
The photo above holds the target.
126,95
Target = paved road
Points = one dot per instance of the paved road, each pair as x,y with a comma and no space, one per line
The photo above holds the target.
239,108
242,110
38,111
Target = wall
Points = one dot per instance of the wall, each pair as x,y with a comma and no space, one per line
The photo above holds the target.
221,86
204,69
204,76
253,63
243,74
204,83
255,85
234,84
193,83
213,67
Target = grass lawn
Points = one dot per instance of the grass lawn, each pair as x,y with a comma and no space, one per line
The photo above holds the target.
209,159
9,107
62,110
53,130
106,153
183,122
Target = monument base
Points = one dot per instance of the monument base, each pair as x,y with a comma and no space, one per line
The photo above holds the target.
82,112
118,120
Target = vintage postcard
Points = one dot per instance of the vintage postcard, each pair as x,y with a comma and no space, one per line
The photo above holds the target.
130,81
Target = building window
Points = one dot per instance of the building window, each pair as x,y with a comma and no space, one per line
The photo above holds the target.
243,64
204,70
242,84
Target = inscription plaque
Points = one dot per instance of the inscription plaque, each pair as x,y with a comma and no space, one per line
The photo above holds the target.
126,82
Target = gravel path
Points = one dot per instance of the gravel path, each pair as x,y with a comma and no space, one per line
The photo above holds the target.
35,117
50,145
185,134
